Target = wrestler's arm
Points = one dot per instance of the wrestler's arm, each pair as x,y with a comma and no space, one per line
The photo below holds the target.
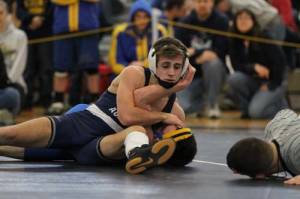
128,112
178,111
150,94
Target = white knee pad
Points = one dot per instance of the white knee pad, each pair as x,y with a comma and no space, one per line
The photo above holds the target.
133,140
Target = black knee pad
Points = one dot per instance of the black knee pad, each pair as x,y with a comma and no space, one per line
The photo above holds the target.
186,146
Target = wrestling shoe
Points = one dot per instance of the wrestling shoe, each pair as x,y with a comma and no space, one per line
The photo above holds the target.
147,156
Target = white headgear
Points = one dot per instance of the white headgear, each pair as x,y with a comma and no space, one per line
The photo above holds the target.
152,62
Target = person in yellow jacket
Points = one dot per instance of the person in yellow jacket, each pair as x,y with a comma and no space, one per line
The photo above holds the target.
132,41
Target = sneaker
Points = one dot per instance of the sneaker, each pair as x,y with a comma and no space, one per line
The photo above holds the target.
147,156
56,108
6,117
214,112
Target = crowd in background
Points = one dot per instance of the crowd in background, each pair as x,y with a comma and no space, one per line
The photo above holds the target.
64,72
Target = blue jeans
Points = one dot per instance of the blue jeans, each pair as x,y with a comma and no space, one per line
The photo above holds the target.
10,99
210,84
39,67
254,102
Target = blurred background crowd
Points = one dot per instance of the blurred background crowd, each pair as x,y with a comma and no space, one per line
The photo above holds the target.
58,53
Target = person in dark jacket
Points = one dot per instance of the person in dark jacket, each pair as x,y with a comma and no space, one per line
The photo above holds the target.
171,11
207,53
260,68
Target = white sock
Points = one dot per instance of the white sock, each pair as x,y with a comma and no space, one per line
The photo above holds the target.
135,139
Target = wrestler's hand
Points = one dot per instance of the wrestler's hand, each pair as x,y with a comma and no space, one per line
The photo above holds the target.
172,119
293,181
186,80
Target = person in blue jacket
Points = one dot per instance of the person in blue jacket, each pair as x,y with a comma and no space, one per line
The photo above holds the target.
131,41
75,54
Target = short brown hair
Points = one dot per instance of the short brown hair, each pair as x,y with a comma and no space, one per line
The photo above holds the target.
250,156
169,47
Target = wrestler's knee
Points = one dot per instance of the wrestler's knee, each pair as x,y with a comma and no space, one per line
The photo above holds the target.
137,128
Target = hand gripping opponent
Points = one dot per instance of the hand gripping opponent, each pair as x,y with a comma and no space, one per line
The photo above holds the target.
186,146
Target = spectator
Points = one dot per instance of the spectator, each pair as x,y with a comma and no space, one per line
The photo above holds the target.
207,54
77,92
72,16
173,10
269,20
259,77
223,6
267,16
131,41
13,54
36,21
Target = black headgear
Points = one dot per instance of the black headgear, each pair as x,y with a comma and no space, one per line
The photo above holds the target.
186,146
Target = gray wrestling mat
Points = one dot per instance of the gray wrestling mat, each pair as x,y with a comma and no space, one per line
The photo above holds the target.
205,178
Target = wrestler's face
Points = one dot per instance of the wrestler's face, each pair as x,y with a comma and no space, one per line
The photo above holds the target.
244,22
169,68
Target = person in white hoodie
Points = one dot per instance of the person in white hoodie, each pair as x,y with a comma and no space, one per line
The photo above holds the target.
13,48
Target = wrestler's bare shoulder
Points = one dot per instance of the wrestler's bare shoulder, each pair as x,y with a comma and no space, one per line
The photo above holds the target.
132,71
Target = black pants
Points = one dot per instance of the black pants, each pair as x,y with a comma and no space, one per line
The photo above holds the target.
39,73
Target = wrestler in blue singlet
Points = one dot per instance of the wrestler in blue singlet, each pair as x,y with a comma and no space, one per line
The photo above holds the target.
76,134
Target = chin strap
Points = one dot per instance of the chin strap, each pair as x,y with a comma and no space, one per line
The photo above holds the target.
165,84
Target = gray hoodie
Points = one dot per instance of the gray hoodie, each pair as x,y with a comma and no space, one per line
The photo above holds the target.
285,129
264,12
